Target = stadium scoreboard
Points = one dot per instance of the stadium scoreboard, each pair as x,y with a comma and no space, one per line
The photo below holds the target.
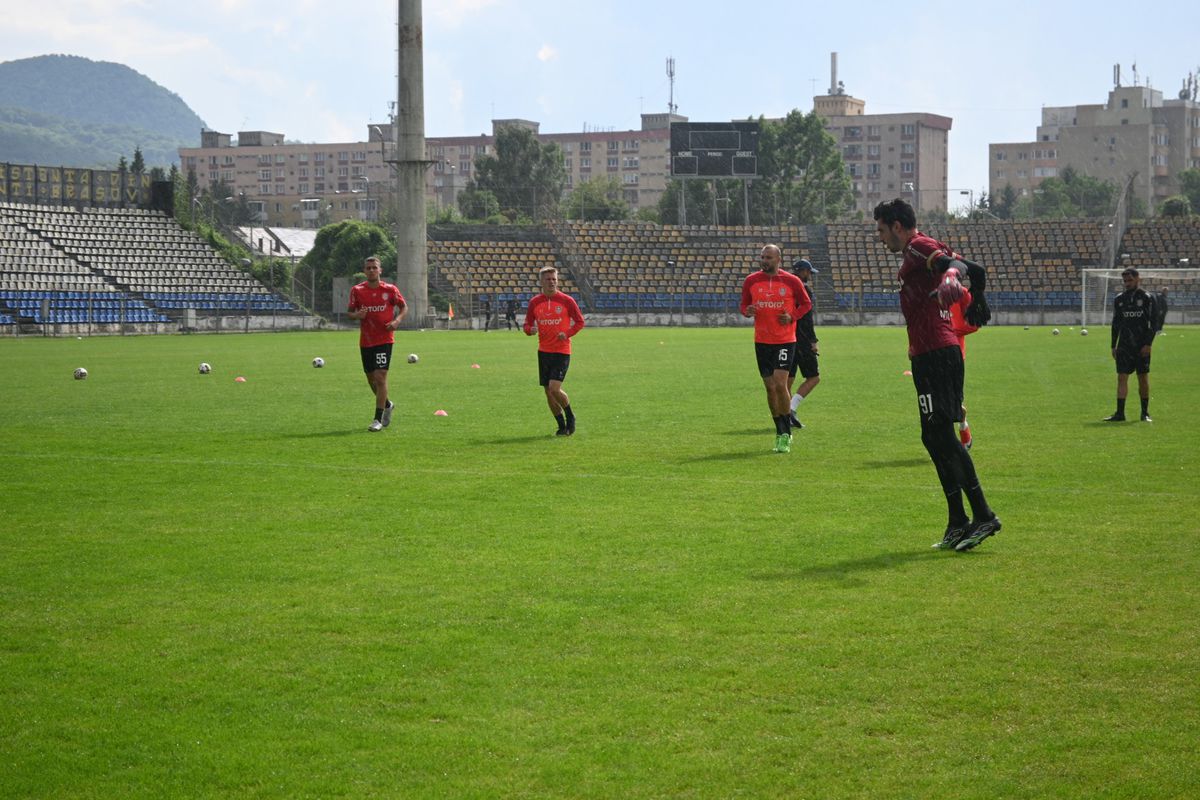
714,149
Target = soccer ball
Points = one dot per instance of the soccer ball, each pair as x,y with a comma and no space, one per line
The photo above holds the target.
205,368
1083,331
318,362
1055,331
412,358
80,374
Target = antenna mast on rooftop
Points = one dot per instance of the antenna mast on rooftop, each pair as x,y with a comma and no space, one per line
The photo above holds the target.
671,107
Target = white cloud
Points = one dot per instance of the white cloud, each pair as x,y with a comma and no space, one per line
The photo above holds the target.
547,53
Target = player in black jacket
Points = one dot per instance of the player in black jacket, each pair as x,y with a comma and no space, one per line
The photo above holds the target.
1133,329
806,345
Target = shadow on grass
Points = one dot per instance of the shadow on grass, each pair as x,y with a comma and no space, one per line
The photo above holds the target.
763,430
327,434
540,437
852,568
897,462
728,456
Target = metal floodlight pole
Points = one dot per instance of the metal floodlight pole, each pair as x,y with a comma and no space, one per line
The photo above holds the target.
412,267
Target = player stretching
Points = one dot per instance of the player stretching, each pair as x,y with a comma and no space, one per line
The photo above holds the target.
555,318
775,299
928,286
380,307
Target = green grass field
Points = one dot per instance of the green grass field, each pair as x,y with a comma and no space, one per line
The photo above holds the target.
214,589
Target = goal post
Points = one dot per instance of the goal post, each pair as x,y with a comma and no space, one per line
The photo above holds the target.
1101,285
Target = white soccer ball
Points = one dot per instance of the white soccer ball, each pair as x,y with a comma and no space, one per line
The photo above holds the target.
80,374
1055,331
1083,331
318,362
412,358
205,368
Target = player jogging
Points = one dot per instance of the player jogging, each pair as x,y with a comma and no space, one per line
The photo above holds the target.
555,318
806,346
928,286
775,299
1133,329
379,306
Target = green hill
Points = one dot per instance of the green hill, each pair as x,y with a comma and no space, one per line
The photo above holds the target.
76,112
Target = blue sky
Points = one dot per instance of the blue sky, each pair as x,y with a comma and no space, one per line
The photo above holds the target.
323,70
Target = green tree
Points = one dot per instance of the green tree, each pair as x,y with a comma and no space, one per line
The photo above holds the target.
1189,186
527,177
597,199
139,162
698,195
478,204
339,251
1176,206
1006,205
803,178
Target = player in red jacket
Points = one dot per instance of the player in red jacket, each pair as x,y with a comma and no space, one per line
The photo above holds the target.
775,300
555,318
963,329
379,307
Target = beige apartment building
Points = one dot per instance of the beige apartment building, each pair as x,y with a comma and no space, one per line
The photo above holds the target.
1136,133
291,184
308,185
888,155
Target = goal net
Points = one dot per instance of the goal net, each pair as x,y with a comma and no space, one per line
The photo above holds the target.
1182,286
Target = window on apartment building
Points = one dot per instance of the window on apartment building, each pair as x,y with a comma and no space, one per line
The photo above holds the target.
908,149
872,186
1002,156
909,129
319,158
359,155
873,170
873,151
630,162
566,147
356,171
439,151
999,174
304,188
852,132
227,160
302,158
279,174
1022,174
464,167
343,155
481,149
852,151
567,164
279,158
319,187
303,172
855,170
585,147
1124,102
1022,156
585,163
612,162
343,172
358,186
264,159
874,130
264,188
630,178
264,174
227,176
633,144
612,146
907,167
318,172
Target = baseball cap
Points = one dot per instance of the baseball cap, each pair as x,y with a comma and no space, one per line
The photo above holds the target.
804,263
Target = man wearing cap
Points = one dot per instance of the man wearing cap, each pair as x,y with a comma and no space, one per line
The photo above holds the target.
806,345
1132,335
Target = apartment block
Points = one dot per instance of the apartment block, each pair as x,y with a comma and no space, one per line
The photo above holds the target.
1135,134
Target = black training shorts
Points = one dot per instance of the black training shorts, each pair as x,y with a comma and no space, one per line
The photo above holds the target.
1130,361
377,357
774,356
938,376
552,367
806,361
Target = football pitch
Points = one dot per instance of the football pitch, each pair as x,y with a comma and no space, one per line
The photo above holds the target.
221,589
